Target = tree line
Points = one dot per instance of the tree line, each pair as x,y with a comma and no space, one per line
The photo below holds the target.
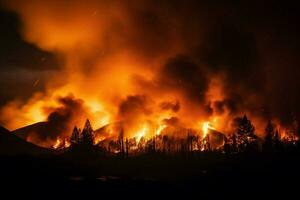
243,139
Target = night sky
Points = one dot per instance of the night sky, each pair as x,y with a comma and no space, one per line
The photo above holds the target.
22,63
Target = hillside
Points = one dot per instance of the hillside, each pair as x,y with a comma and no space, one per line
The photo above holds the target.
11,144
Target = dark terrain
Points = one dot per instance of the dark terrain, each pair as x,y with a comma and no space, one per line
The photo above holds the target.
70,174
150,174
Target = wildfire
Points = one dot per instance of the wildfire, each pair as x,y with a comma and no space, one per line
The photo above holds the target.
160,128
57,143
67,144
141,141
206,126
60,144
287,136
141,133
99,139
111,76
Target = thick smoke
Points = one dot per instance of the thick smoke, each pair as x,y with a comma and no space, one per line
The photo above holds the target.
144,61
60,121
134,106
69,111
170,105
179,73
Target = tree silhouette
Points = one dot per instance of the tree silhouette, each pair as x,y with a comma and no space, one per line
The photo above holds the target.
75,137
269,135
234,142
87,134
164,143
246,137
127,147
245,127
277,141
231,144
121,143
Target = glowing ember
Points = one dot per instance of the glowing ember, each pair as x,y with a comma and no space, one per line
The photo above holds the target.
61,144
57,144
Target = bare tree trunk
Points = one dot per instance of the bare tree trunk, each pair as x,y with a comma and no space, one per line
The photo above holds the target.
127,147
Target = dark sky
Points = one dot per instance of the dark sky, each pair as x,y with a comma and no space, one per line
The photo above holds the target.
23,66
255,43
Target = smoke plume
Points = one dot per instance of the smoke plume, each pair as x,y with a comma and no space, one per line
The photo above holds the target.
144,62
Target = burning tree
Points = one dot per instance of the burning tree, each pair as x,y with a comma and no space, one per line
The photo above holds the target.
245,136
245,127
242,139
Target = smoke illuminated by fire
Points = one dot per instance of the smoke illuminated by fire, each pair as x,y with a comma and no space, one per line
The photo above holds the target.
124,63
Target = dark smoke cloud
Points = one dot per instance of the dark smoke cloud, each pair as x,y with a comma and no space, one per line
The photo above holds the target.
172,121
69,109
181,73
220,107
232,48
134,106
169,105
69,112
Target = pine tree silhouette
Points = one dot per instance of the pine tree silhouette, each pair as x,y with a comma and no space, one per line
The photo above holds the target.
269,135
245,127
75,137
245,134
87,134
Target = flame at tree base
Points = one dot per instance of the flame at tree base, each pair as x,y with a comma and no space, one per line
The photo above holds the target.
161,140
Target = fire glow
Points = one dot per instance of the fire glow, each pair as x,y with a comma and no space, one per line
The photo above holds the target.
205,128
116,68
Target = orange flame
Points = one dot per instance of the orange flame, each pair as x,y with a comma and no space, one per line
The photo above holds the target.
103,65
57,144
142,133
205,128
160,129
60,144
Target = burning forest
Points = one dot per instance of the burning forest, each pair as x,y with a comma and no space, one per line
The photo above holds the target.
137,64
123,80
184,141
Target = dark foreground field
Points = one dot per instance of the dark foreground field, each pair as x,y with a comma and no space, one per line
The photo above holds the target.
206,174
